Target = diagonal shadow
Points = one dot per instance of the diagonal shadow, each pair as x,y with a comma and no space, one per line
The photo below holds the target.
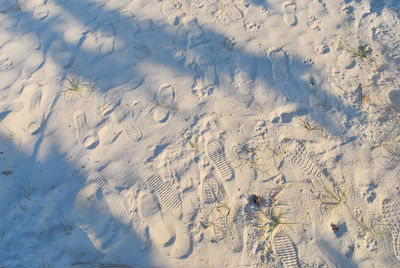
162,38
40,226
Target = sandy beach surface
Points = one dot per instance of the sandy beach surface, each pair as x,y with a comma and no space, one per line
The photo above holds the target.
199,133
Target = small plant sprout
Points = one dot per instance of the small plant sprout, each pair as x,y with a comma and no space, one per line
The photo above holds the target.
27,192
22,206
221,6
363,51
27,197
251,155
271,224
275,153
67,228
332,198
74,86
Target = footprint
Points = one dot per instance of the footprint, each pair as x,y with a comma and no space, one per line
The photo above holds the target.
251,253
166,94
115,203
86,201
318,9
193,4
6,63
244,80
41,12
238,229
105,38
297,154
208,79
165,102
211,191
40,9
217,215
231,13
161,115
195,33
280,66
33,62
183,241
391,213
391,218
285,250
150,213
172,206
87,137
396,243
289,13
207,65
123,117
170,10
219,219
369,193
31,98
215,153
168,197
37,7
60,54
284,113
8,107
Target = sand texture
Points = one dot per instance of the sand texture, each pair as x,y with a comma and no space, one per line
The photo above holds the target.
200,133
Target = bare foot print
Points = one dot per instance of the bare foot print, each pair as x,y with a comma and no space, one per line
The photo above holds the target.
31,97
289,13
151,214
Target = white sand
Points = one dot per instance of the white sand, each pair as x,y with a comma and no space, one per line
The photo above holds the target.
199,133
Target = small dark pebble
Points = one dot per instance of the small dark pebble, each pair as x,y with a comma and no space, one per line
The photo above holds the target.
257,200
6,172
335,227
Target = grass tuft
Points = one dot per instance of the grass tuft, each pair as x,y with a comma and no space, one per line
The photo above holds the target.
332,198
74,86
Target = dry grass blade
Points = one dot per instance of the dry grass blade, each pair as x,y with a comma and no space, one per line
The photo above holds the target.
332,198
307,125
395,152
